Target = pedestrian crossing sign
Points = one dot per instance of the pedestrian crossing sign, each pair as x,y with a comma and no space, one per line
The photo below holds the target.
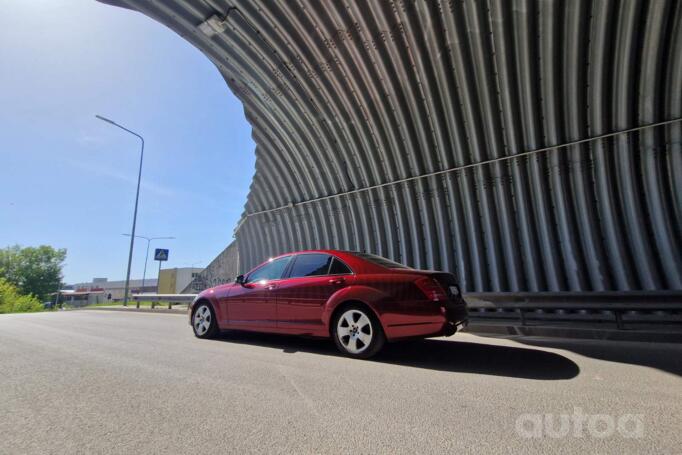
161,254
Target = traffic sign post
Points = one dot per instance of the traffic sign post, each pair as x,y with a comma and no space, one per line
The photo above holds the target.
160,254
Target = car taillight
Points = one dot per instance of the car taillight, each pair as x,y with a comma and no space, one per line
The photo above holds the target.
431,289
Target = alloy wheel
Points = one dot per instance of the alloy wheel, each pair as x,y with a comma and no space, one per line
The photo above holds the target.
202,320
354,331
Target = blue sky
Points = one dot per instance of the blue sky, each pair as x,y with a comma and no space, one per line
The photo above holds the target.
68,179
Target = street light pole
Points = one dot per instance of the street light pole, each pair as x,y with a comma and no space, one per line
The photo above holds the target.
137,198
146,257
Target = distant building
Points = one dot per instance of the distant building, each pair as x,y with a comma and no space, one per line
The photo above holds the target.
174,281
113,290
79,298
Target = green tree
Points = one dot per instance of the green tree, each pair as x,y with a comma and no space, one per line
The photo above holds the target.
33,270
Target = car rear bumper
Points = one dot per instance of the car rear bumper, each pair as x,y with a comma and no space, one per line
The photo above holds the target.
451,318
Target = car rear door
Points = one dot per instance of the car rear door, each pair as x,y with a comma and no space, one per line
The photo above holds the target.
253,305
311,281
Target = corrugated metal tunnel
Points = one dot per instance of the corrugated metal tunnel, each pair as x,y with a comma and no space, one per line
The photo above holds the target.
442,134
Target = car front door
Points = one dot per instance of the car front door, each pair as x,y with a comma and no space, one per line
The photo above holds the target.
310,282
253,304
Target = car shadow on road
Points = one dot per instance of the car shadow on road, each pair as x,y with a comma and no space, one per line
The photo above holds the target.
435,354
661,356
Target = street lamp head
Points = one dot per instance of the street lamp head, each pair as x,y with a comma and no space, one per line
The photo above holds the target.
105,119
151,238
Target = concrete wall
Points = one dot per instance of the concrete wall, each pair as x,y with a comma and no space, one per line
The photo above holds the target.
223,269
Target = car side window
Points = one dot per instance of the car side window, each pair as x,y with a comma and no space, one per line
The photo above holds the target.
314,264
339,268
271,271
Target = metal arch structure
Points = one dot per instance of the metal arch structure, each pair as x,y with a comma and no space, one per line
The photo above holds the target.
470,136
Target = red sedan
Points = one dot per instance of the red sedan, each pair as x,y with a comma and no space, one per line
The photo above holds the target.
360,300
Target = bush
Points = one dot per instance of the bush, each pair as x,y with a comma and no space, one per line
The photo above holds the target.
13,302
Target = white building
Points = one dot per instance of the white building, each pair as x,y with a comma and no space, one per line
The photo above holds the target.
114,290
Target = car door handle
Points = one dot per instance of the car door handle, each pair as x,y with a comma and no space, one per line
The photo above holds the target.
270,287
337,281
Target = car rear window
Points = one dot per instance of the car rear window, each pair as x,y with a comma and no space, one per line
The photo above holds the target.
380,260
339,268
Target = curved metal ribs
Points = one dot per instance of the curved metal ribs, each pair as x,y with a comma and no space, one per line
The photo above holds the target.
350,95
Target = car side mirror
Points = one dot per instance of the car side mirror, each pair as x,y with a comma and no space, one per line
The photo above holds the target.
240,280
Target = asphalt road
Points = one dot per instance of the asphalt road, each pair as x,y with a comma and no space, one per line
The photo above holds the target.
112,382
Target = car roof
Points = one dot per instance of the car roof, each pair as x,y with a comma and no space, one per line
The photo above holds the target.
334,252
357,264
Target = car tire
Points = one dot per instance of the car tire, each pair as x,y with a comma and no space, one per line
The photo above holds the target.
357,332
204,321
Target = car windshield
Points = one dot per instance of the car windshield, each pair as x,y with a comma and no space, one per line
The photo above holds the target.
379,260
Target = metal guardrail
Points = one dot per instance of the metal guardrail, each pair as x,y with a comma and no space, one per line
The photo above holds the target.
171,299
621,308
